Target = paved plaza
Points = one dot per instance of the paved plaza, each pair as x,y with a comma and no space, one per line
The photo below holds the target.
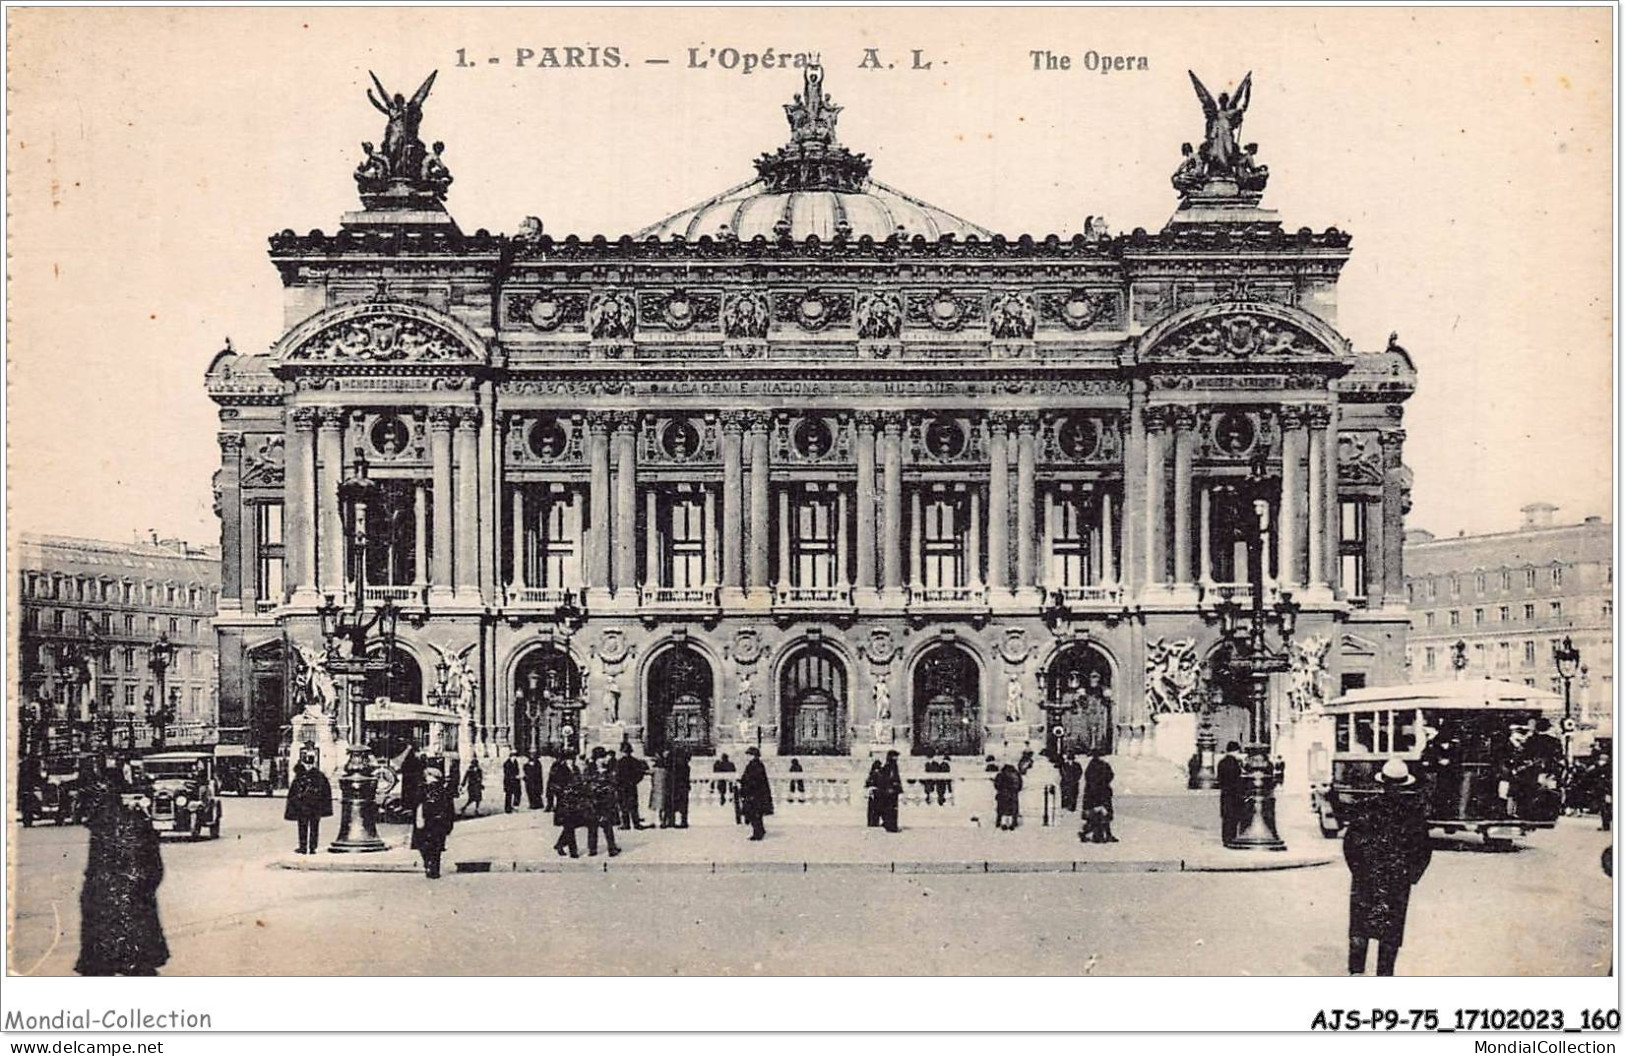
706,901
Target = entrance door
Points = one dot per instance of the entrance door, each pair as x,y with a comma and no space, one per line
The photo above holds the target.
547,703
947,703
1079,699
813,694
679,694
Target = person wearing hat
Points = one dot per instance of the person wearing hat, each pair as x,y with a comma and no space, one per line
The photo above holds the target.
755,796
310,799
1387,851
474,784
432,821
565,792
602,807
888,791
1231,797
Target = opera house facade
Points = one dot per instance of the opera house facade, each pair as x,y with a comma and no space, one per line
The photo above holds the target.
812,465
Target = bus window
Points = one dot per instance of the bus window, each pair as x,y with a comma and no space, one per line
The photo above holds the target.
1404,731
1365,733
1383,721
1341,744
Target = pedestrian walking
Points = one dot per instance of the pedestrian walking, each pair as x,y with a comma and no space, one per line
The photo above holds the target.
798,787
659,797
558,776
474,785
1007,798
602,802
310,799
1071,778
119,929
721,785
1025,762
678,782
629,772
1228,772
510,784
1098,810
1387,851
754,799
432,821
564,791
889,791
870,784
1602,789
412,767
533,782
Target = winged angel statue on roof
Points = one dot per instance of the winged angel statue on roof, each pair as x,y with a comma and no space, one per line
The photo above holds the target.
1221,155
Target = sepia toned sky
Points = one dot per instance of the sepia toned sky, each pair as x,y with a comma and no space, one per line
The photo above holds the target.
151,152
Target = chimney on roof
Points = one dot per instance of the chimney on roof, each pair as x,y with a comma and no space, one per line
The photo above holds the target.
1538,514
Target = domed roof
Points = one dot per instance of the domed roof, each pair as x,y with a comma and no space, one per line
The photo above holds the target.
813,186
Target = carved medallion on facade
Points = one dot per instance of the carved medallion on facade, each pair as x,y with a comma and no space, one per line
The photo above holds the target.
747,646
880,647
812,438
943,439
1235,433
611,315
612,647
674,439
1012,316
1014,646
386,333
544,438
391,437
1078,309
814,309
548,439
679,309
547,310
745,314
263,463
879,315
944,310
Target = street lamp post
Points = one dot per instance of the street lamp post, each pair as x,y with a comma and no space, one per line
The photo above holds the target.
1249,657
160,713
358,784
1567,659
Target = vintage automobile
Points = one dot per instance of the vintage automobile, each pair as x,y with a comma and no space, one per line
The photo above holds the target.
240,772
55,794
1454,737
184,792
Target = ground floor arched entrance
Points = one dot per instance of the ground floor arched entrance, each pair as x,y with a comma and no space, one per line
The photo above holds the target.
1229,703
269,708
547,703
680,690
947,702
813,704
1078,699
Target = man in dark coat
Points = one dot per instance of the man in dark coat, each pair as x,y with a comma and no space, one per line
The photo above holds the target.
1097,805
1007,798
1387,851
558,776
1071,776
755,796
474,785
629,773
119,930
602,802
678,780
1230,790
310,799
871,784
432,821
412,779
564,791
510,784
533,782
888,790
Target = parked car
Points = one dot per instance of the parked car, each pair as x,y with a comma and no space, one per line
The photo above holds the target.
184,792
55,795
240,772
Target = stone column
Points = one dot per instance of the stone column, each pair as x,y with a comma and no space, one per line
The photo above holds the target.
1393,517
1289,560
1132,561
329,520
733,504
998,505
891,550
420,536
467,514
626,510
1204,544
1374,572
973,542
1026,501
841,579
597,576
1156,514
759,470
866,580
651,541
442,420
1184,420
916,539
710,536
237,569
1334,509
516,579
1047,576
1108,555
784,539
1318,418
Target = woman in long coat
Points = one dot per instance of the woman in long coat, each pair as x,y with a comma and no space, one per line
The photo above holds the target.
565,789
659,796
678,783
119,930
1387,851
1007,797
1098,810
432,822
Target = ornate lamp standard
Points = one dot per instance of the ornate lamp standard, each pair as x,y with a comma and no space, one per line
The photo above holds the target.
160,713
1567,659
1249,658
358,784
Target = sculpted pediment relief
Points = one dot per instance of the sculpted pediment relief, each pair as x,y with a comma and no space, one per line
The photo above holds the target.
382,332
1242,332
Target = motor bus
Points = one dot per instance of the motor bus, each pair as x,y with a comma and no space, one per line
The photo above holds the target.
1459,738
